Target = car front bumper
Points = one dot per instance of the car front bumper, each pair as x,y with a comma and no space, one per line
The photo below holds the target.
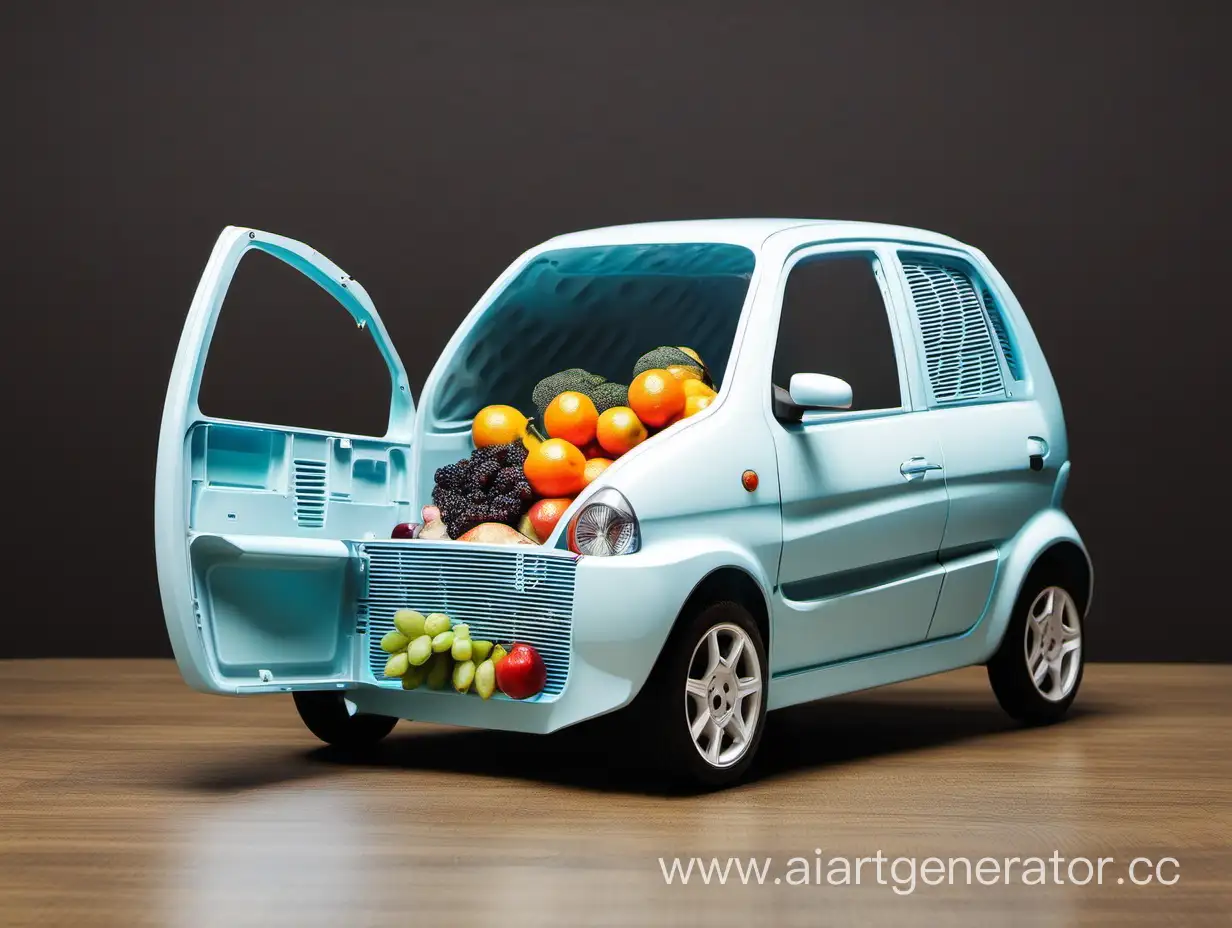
623,610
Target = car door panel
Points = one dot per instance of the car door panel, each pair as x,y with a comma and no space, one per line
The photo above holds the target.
282,611
998,473
993,489
966,590
247,478
859,570
993,493
273,612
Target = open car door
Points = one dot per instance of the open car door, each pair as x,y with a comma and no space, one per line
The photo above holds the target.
259,583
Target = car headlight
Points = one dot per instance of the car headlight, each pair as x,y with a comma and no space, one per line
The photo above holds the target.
605,526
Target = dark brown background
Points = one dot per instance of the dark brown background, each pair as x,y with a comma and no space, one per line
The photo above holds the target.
422,146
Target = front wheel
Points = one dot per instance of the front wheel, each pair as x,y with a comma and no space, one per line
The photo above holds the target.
1037,670
706,700
328,716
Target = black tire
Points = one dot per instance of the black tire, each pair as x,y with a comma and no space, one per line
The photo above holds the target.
326,716
1009,671
662,710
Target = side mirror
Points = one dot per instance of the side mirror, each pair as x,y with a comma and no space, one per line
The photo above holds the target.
820,391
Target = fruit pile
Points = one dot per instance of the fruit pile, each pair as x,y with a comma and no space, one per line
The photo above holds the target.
431,650
518,482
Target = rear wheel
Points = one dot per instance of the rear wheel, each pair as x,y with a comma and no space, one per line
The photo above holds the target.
329,717
706,700
1036,672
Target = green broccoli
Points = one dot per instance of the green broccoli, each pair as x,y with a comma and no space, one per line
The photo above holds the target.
608,395
554,385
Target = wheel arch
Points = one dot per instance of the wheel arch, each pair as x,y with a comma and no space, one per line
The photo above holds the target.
1048,540
671,732
729,583
1072,563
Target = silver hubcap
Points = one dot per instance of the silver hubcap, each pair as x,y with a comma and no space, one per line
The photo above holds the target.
723,694
1053,644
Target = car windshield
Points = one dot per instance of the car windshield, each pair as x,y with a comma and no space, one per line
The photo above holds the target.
597,308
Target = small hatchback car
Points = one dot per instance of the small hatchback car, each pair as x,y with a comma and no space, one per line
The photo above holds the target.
873,495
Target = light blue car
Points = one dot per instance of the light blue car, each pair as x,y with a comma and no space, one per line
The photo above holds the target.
789,542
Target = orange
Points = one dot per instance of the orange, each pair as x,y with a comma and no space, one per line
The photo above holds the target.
571,416
555,468
497,425
620,430
695,404
656,396
696,388
682,373
545,514
594,467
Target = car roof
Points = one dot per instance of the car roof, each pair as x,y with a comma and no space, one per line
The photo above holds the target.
752,233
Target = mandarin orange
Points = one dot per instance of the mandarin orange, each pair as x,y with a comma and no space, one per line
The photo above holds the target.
657,397
497,425
594,467
695,404
696,388
555,468
620,430
571,416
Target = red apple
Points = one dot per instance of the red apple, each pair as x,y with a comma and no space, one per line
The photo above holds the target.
520,674
545,513
404,530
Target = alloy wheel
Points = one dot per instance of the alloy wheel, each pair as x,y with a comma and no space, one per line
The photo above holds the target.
723,694
1053,643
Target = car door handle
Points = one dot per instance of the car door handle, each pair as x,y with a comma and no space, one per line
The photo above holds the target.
917,467
1037,451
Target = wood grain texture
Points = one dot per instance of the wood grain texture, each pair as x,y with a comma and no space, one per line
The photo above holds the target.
126,799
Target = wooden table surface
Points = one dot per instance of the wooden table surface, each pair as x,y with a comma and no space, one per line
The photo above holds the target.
126,799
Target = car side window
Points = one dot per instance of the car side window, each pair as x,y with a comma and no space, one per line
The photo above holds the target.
284,352
962,329
835,321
